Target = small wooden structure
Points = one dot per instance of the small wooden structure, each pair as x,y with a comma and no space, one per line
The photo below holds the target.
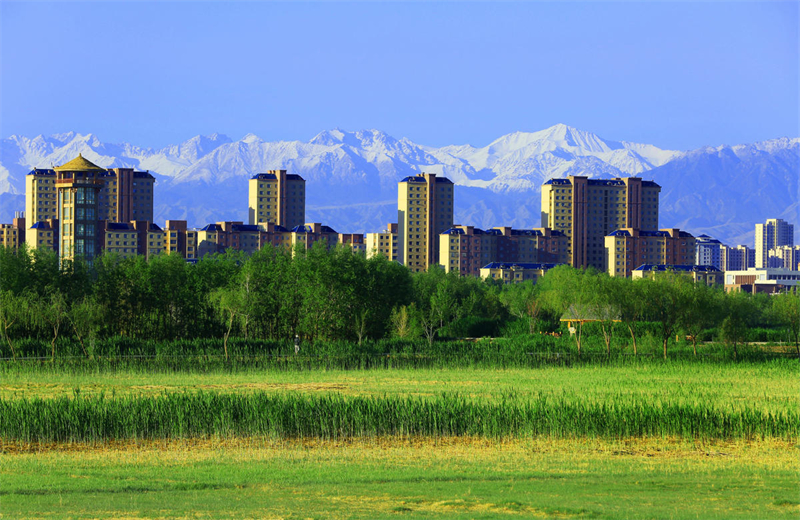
579,314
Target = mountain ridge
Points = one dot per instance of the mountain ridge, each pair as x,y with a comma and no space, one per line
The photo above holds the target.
205,177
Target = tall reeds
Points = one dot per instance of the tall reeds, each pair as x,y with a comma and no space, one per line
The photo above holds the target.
333,416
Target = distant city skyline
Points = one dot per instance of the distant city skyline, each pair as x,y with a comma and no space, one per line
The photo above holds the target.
676,75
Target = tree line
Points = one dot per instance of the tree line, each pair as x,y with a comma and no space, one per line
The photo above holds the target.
337,294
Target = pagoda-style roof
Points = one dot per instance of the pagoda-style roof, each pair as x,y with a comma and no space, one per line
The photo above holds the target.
78,164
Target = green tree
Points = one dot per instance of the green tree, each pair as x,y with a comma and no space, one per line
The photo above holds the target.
630,300
569,293
405,322
15,314
701,311
54,309
786,308
16,269
522,301
666,301
605,304
84,317
227,301
738,310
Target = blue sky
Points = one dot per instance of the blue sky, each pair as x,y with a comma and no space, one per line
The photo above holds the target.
676,74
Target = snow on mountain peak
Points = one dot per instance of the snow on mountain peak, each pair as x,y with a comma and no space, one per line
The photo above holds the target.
218,137
62,137
363,167
251,139
366,139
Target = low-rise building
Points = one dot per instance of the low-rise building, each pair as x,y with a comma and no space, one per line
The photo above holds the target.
121,238
354,241
384,243
309,234
179,240
707,274
512,272
151,238
13,235
43,235
628,247
466,248
768,279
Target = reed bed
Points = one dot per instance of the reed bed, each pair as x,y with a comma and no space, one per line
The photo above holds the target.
333,416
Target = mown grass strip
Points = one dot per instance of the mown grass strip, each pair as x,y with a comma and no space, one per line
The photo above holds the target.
333,416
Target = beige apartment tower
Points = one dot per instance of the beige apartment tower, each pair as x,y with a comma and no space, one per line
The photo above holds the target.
127,195
41,201
773,233
586,210
424,210
277,197
78,183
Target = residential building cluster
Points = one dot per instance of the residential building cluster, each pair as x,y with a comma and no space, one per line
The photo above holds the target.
79,209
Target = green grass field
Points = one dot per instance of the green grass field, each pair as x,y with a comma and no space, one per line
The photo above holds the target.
445,478
773,385
525,476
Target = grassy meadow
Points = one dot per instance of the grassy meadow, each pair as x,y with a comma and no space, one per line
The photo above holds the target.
632,439
403,478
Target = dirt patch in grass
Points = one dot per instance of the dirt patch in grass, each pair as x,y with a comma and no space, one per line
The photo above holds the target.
640,447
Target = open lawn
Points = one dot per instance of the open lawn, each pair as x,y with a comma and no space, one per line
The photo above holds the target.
401,478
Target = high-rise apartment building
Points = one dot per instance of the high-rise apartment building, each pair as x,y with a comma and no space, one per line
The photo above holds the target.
739,258
467,249
277,197
586,210
773,233
126,195
384,243
629,248
78,184
709,251
424,210
41,200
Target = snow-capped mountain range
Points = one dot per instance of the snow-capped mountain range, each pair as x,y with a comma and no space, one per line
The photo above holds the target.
351,177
